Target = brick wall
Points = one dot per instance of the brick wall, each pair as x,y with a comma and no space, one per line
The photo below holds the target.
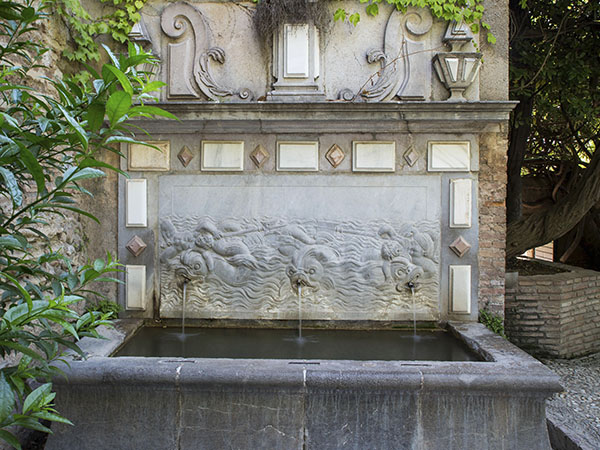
492,220
555,315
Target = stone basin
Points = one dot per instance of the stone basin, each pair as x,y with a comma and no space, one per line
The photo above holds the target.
192,403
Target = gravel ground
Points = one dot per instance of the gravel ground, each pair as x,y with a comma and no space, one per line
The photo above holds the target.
578,408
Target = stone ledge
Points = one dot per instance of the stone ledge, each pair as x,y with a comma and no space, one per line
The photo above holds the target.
330,117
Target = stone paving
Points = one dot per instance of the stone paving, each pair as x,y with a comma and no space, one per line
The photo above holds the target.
577,410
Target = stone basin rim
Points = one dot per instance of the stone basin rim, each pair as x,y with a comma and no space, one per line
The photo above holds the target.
505,369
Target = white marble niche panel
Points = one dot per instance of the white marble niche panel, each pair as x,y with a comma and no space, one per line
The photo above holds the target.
136,202
135,286
460,203
146,158
298,156
373,156
460,289
223,156
449,156
296,54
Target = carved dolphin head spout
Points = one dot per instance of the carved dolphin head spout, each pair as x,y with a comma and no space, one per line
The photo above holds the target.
192,267
406,274
308,267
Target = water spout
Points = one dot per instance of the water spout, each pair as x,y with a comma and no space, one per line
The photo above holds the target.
184,295
299,292
412,286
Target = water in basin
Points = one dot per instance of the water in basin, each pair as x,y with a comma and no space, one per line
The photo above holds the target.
251,343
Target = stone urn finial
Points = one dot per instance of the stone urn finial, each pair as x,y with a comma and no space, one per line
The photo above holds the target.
457,69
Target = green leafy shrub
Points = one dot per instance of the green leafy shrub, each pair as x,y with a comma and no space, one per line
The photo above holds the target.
48,147
106,307
493,322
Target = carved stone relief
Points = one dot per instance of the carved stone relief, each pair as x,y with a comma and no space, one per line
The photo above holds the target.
404,65
189,56
252,267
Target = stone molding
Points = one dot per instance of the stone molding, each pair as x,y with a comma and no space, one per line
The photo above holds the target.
323,117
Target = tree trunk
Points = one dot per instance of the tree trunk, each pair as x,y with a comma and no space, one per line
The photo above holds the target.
516,155
542,227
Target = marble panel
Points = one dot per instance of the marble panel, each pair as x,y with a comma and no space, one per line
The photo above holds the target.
296,51
249,243
460,203
298,156
449,156
145,158
223,155
460,289
136,203
373,156
135,286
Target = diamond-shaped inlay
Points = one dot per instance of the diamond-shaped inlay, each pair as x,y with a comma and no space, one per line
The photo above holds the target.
411,156
136,245
185,155
460,246
335,155
259,155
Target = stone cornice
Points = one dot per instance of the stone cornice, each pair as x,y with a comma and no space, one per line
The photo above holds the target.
330,117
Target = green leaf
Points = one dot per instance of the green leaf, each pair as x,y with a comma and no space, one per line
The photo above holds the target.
21,349
10,438
340,14
45,415
373,9
354,19
95,116
36,397
34,168
21,289
7,398
121,77
153,86
12,186
79,131
83,174
151,110
11,242
117,106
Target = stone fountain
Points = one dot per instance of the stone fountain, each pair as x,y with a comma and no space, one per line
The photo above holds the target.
328,158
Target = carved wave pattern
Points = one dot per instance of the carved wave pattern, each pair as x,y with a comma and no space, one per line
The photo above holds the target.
252,268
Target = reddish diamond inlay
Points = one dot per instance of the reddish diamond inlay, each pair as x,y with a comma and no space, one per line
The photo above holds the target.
136,245
185,156
411,156
335,155
259,155
460,246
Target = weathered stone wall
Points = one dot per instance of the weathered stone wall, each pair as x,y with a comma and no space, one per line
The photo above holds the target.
492,220
555,315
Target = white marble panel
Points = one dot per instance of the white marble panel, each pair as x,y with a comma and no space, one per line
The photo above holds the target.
145,158
460,289
223,155
373,156
136,203
460,203
449,156
135,286
298,156
296,51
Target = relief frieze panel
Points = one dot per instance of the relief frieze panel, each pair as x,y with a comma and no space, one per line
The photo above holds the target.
242,267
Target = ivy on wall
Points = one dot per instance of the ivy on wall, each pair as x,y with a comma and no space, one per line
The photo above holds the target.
84,28
463,11
124,14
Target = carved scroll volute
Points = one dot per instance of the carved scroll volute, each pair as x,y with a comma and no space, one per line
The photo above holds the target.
398,53
189,57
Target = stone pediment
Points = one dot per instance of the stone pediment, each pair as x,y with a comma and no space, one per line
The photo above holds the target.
212,51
